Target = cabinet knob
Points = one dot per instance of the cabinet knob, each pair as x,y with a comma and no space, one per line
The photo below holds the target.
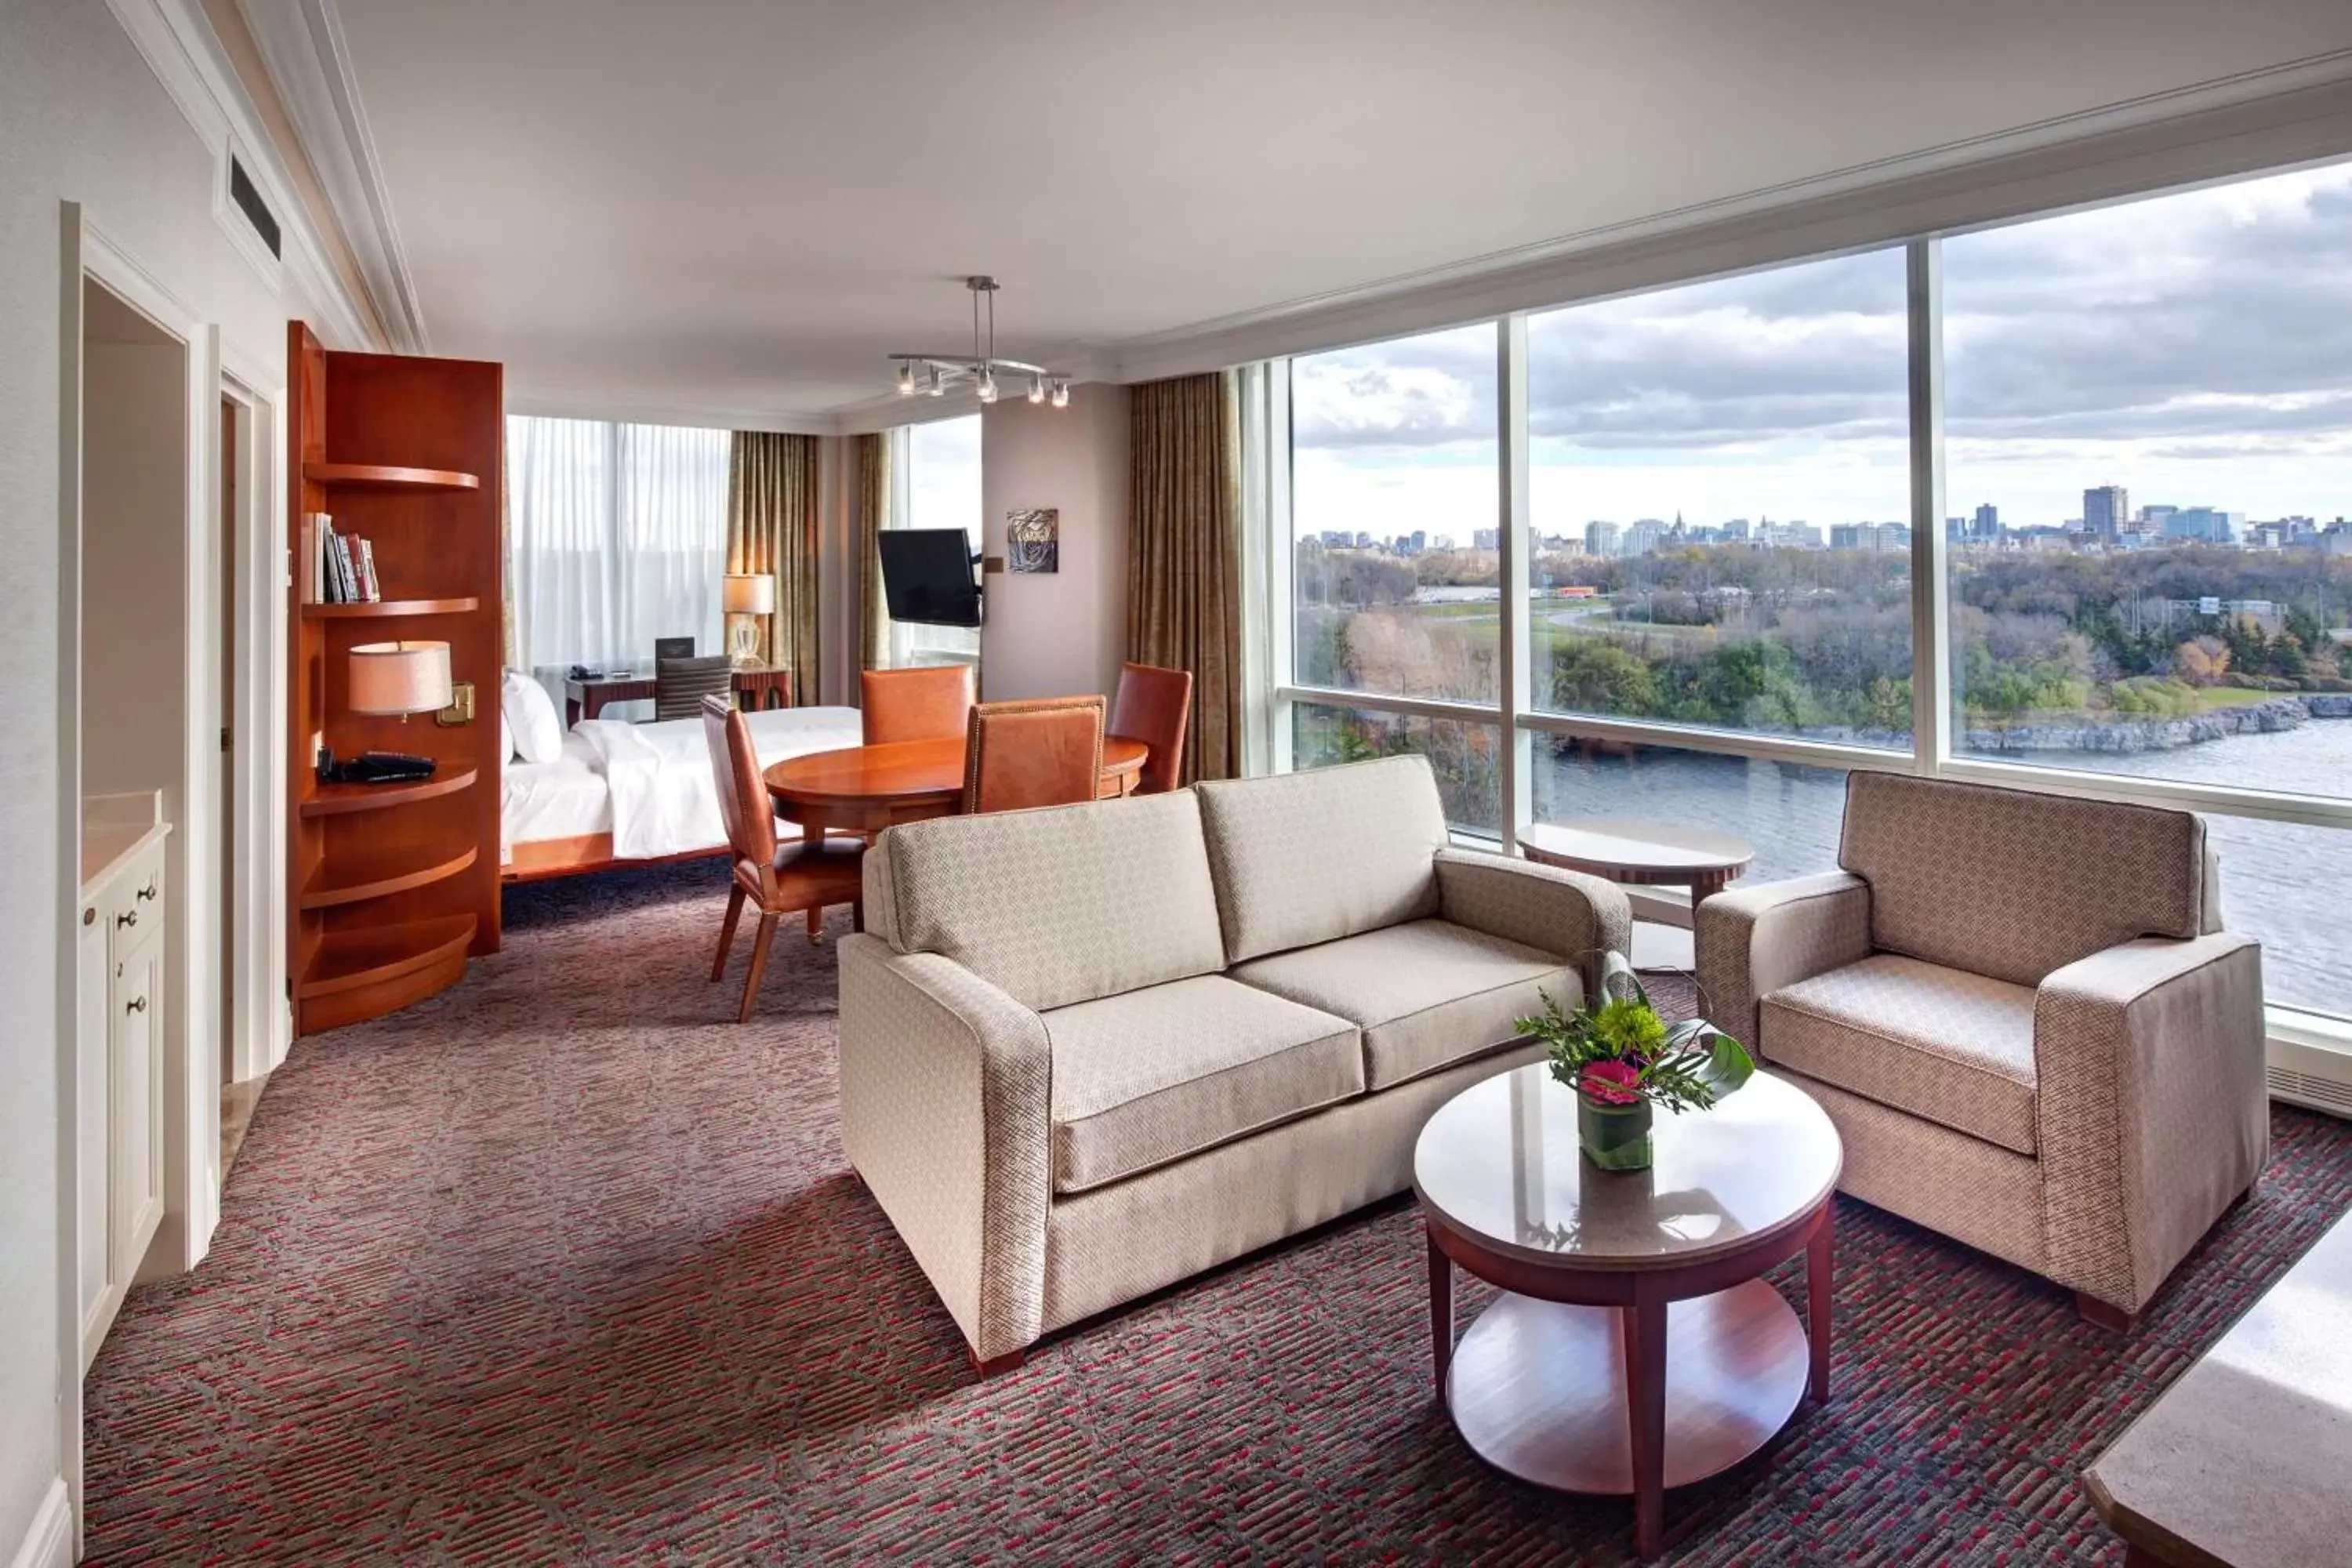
127,918
149,890
89,916
136,1004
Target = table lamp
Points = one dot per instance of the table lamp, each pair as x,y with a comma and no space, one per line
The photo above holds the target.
392,679
750,597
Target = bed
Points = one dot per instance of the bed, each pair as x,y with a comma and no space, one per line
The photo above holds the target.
637,794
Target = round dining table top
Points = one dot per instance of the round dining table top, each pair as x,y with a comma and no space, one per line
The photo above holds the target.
905,779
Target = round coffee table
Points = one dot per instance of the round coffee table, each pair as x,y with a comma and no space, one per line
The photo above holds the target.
1634,850
1635,1270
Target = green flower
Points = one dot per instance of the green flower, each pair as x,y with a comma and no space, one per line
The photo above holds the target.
1629,1031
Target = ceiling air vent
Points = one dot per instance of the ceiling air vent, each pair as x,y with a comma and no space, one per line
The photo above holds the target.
249,201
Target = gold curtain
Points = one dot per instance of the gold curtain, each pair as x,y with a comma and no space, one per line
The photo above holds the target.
871,501
1184,555
771,528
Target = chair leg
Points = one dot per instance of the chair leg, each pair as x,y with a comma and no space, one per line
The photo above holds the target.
815,924
2105,1314
858,915
766,934
727,932
1009,1362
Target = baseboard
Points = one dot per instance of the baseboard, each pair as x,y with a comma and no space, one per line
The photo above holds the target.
48,1540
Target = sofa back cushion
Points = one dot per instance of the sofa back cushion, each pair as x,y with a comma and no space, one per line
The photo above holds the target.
2013,884
1052,907
1312,856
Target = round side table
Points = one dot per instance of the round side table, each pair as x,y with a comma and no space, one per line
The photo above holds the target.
1641,853
1609,1275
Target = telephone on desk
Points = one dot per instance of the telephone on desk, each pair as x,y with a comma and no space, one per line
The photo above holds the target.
374,767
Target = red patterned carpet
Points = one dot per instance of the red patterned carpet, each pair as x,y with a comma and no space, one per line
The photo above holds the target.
564,1268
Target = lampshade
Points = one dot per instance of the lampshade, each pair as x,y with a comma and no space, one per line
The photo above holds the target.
401,677
751,593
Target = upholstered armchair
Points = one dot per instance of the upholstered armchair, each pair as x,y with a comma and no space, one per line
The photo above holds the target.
2022,1015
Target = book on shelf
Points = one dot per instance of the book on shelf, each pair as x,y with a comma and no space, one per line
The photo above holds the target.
347,559
367,572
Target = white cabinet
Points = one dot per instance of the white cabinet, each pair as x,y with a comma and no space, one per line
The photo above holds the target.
119,950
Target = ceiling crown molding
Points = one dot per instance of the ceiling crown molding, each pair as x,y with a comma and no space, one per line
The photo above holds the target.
179,46
2298,111
303,44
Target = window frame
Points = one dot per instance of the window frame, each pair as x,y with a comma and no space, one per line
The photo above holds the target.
1275,692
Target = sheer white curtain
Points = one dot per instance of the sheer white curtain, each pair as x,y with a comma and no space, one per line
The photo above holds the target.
619,536
935,483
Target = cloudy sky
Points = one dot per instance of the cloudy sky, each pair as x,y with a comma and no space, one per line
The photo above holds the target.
2196,349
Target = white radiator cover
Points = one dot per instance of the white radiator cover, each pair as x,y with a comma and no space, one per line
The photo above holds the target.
2316,1075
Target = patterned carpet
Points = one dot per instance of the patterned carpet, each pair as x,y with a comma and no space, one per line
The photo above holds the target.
561,1266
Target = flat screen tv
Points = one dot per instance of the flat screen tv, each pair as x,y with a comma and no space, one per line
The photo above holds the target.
927,577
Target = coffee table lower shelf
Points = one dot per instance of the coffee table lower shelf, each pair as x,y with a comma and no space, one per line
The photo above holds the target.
1537,1389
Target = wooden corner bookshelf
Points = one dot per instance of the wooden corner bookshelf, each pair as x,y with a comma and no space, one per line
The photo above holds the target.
392,886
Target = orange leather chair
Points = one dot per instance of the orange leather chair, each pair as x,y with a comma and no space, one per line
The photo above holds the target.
915,704
1044,752
781,878
1154,706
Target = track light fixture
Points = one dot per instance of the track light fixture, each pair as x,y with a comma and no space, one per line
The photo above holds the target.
934,373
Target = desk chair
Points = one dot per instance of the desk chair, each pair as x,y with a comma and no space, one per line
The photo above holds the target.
681,684
927,704
784,878
1154,706
1044,752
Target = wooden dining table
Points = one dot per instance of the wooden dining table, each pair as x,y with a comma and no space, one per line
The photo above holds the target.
865,789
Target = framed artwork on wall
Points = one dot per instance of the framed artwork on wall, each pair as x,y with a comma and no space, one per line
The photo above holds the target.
1033,539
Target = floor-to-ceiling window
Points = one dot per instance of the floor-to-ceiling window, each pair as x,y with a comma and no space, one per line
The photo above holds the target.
935,475
2119,494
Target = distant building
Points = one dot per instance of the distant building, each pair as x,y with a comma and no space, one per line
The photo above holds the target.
1735,531
1602,538
1894,537
1420,541
2105,512
1487,539
1986,524
1644,536
1852,535
2204,524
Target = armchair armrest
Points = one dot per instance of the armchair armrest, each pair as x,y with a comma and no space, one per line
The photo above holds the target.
1751,941
1582,918
2152,1111
946,1091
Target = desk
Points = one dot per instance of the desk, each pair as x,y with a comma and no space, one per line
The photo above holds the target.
772,684
865,789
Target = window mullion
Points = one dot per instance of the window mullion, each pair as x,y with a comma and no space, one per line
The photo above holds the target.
1931,685
1513,546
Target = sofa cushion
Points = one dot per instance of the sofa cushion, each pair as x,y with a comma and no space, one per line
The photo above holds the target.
1311,857
1056,906
1954,1048
1426,994
1151,1076
1997,882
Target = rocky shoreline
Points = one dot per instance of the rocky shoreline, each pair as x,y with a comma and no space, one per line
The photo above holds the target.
2129,735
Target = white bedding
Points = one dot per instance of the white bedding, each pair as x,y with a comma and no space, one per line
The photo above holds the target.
649,785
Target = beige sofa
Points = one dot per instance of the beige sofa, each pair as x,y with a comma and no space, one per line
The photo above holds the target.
2021,1013
1089,1051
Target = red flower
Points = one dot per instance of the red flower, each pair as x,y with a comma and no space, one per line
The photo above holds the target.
1598,1077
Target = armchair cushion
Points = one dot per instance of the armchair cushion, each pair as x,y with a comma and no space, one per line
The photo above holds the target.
1998,881
1312,856
1753,941
1953,1048
1151,1076
1427,994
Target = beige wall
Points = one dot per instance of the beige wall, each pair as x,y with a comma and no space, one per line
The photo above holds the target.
1050,635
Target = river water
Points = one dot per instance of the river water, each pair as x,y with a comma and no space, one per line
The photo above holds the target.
2284,883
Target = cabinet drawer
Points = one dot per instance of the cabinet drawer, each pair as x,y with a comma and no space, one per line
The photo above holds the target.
133,905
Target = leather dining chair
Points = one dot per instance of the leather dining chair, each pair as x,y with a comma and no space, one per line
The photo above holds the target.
780,879
1153,706
1044,752
928,704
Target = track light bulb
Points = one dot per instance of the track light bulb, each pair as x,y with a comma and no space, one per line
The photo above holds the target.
1061,394
1037,389
906,378
937,388
987,385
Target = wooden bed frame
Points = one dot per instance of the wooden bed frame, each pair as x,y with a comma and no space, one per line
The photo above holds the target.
548,857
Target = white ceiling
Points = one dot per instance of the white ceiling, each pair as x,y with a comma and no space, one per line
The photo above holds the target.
737,207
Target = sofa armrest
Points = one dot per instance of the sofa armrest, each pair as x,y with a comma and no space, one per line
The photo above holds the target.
946,1094
2151,1108
1751,941
1583,919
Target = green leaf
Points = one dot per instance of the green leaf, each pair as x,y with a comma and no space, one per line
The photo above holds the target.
1728,1065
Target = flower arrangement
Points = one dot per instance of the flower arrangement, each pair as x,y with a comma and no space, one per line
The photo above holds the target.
1622,1060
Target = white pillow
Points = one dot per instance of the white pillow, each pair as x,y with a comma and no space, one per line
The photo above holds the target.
505,732
526,709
